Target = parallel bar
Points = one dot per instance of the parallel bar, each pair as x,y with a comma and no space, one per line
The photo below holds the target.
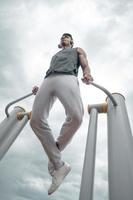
87,182
106,92
120,152
13,102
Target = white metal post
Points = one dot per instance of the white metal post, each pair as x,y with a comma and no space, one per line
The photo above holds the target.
86,191
120,151
10,128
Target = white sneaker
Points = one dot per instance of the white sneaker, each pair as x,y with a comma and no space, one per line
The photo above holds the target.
58,177
50,168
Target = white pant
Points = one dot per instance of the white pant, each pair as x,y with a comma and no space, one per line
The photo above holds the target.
66,89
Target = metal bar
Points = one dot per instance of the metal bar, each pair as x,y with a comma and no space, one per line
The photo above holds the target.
106,92
120,151
87,182
10,129
13,102
101,107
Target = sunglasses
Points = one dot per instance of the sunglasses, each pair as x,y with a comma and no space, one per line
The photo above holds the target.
65,36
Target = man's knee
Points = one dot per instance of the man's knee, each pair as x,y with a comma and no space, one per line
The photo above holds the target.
37,123
33,123
78,118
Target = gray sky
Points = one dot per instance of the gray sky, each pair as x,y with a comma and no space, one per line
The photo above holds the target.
29,34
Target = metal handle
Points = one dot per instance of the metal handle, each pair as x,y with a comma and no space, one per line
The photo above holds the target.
106,92
13,102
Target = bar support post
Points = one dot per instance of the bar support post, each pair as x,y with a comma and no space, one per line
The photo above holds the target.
87,182
120,151
10,128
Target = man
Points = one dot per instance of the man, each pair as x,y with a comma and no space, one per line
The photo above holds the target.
60,82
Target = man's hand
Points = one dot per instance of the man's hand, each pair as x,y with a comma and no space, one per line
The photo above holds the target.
87,78
35,89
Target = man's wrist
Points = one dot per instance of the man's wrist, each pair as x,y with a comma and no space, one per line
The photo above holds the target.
86,70
86,73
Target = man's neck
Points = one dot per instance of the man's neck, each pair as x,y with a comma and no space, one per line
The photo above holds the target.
66,47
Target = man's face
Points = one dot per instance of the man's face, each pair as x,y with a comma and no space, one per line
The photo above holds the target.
66,40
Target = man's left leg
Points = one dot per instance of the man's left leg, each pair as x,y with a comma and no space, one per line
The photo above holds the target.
72,102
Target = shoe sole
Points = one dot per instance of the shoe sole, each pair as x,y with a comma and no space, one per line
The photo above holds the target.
69,169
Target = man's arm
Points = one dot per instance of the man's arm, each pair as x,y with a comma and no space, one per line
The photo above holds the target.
85,66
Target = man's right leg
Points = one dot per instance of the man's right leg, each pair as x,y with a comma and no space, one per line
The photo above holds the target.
40,112
41,107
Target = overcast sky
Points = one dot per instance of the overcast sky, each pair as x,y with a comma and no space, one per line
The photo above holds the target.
30,32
